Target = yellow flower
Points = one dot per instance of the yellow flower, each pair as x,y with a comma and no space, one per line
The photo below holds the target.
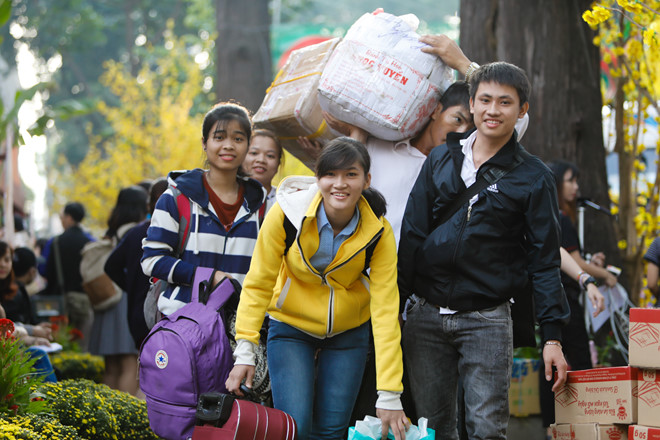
650,35
630,6
622,244
596,16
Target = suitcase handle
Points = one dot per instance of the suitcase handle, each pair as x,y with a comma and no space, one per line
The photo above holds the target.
214,409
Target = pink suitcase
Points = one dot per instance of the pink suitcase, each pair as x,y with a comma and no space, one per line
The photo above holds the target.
223,417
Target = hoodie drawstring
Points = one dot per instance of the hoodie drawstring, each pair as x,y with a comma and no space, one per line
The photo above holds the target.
196,215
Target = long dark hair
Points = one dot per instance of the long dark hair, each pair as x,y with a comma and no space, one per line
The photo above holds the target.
559,168
131,207
340,154
8,286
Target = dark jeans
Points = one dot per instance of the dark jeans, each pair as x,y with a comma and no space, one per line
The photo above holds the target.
475,346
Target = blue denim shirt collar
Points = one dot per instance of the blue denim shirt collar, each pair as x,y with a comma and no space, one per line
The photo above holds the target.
328,242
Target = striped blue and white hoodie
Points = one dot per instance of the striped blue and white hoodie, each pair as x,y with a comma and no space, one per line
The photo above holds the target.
208,244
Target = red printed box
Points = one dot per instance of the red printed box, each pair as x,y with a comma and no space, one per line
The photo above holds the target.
589,431
600,395
648,398
639,432
644,338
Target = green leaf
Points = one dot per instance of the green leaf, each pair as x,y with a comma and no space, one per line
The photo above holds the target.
73,107
5,12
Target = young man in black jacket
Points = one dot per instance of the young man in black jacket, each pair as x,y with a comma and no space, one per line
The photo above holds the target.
460,274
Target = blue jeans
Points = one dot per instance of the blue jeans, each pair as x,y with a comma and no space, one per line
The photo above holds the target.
318,391
478,347
42,364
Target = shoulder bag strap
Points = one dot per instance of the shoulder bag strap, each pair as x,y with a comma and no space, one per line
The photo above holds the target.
58,265
487,178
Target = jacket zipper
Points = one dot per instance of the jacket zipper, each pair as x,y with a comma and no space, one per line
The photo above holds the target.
332,290
453,258
324,279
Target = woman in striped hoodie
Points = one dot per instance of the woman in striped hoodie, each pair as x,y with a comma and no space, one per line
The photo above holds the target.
218,208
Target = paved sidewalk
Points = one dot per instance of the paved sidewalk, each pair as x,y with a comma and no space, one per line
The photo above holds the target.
526,428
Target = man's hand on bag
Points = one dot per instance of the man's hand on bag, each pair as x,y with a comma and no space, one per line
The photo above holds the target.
394,419
236,376
553,356
447,50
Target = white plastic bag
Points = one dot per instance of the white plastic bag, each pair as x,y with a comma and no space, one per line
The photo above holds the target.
370,429
377,78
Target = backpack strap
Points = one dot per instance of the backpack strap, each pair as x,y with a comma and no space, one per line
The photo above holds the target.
262,213
206,292
368,252
183,204
291,232
487,178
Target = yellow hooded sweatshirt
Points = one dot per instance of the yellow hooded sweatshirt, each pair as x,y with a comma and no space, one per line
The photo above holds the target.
291,290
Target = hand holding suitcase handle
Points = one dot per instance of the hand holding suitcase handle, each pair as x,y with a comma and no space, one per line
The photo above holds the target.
239,373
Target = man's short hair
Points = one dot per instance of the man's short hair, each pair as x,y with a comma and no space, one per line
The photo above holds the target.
502,73
24,260
75,210
456,94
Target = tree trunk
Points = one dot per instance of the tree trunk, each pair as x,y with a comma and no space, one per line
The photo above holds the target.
243,62
552,43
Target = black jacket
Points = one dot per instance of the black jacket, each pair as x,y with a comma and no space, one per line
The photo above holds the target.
123,267
481,260
69,244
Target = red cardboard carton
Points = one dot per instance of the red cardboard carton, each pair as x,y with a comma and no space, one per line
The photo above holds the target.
600,395
640,432
644,338
588,431
648,398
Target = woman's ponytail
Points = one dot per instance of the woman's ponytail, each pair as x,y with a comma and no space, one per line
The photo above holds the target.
376,201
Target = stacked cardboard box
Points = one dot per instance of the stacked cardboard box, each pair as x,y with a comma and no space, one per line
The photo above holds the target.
524,389
637,432
600,395
588,431
644,352
620,395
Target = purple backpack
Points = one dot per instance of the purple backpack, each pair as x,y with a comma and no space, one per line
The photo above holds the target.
186,354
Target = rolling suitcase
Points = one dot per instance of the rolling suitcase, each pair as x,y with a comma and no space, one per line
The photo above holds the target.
224,417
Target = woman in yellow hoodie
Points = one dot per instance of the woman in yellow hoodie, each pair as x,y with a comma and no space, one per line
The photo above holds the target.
320,300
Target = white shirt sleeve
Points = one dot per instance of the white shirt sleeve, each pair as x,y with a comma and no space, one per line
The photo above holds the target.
389,400
244,353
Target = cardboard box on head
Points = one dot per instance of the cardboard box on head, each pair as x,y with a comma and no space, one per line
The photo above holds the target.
291,107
